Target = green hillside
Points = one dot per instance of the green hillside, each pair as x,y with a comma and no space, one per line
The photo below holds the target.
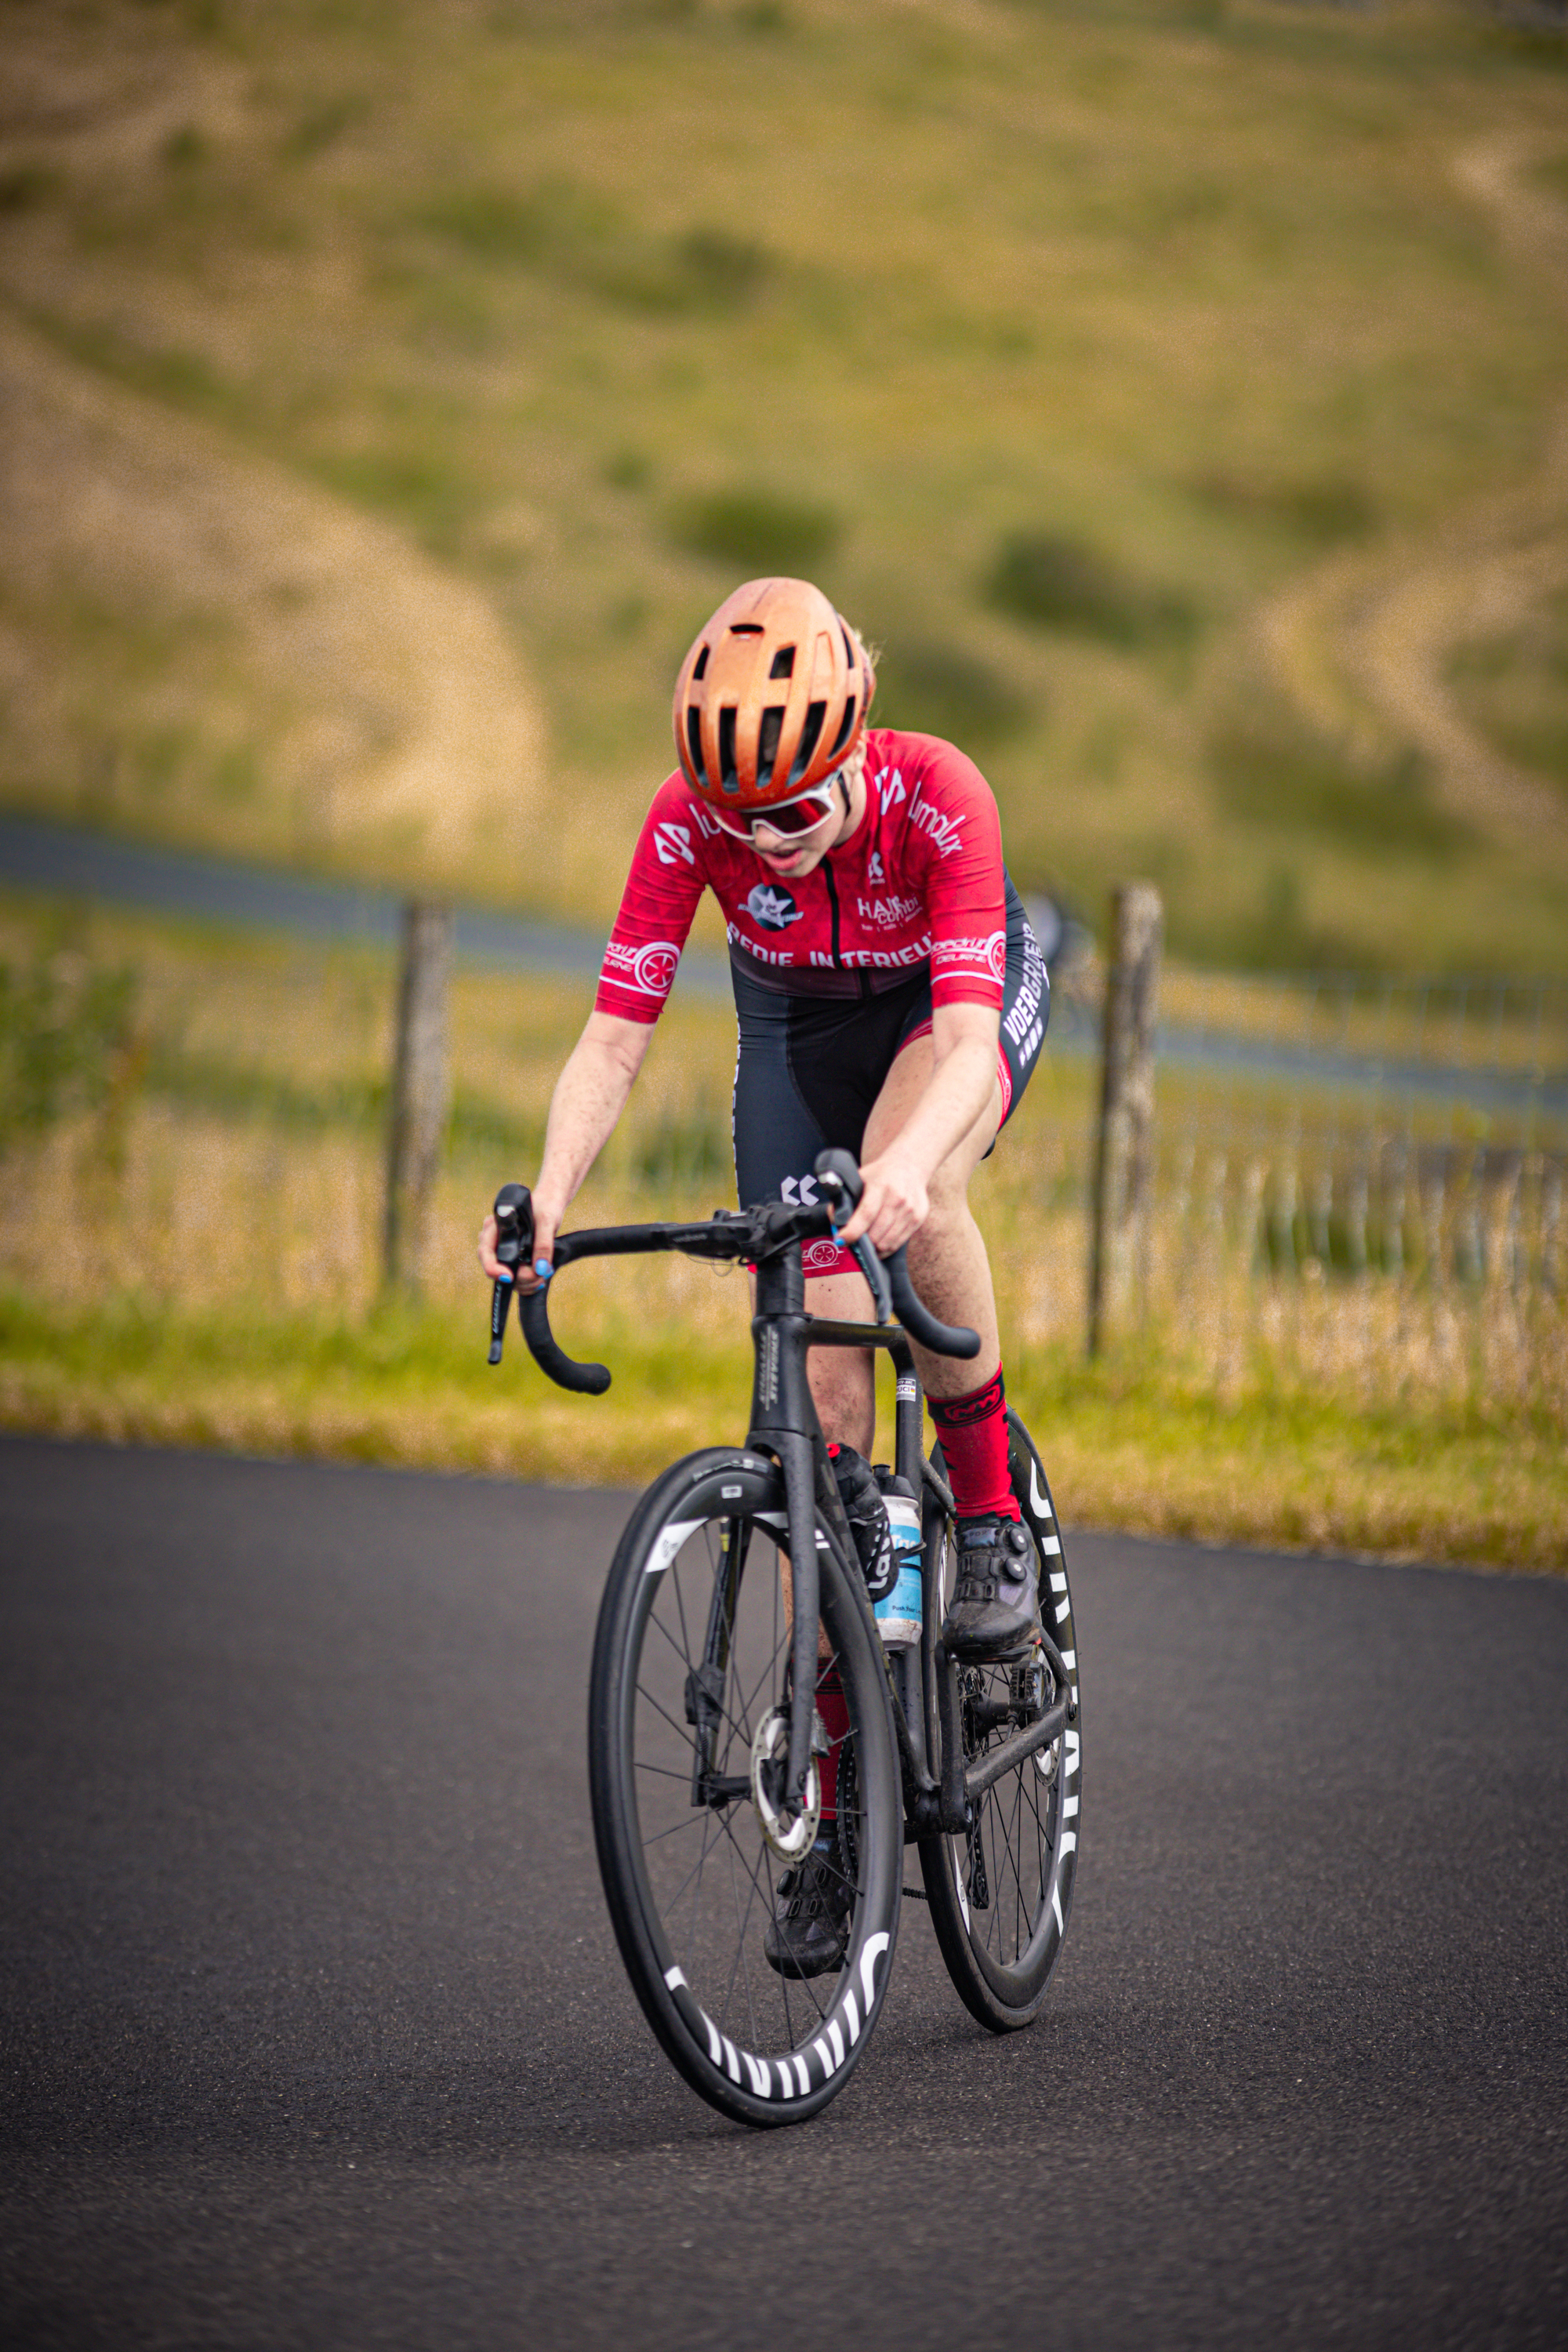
1175,392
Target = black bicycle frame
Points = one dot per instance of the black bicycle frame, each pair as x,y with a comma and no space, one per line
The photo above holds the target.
785,1424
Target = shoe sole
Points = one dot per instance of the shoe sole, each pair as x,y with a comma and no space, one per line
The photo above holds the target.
1009,1654
796,1974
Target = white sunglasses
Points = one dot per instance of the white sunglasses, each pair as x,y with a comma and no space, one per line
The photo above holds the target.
791,820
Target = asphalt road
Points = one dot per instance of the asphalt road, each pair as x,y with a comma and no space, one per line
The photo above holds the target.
315,2033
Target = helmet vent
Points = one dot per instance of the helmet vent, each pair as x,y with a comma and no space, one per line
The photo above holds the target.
815,712
848,648
694,739
848,721
746,629
699,668
727,776
768,742
784,663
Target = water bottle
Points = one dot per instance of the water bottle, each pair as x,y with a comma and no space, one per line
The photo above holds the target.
900,1615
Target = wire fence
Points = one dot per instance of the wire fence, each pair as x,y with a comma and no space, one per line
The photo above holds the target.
1355,1178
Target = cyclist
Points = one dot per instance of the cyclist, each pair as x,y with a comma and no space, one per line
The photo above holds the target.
890,998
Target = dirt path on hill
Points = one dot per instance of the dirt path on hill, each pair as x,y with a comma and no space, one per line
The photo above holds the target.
396,702
1362,645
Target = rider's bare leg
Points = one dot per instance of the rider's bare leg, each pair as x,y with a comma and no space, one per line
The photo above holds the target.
947,1261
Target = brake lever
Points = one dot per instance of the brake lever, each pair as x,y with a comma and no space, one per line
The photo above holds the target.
514,1239
840,1184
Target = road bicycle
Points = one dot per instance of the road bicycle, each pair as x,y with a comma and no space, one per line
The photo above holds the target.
734,1596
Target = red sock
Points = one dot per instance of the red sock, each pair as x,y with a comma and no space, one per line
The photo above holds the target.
973,1433
834,1708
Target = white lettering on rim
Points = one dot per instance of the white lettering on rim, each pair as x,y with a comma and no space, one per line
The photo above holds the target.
664,1549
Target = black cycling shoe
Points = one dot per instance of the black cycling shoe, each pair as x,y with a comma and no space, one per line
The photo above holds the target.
809,1931
995,1610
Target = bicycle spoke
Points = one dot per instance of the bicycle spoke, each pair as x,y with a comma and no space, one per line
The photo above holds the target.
736,1731
780,1647
737,1964
682,1731
697,1890
805,1982
658,1837
680,1609
706,1821
740,1729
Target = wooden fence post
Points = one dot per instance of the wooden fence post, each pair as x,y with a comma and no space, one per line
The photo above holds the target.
1119,1239
420,1089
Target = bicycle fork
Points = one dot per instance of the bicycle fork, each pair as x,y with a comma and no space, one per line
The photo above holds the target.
785,1424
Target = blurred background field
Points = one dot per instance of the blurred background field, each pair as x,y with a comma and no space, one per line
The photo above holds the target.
375,373
1175,392
1355,1330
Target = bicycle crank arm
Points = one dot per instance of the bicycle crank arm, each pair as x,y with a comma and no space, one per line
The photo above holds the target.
990,1767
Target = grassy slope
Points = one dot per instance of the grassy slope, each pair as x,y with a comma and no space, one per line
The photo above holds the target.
1195,287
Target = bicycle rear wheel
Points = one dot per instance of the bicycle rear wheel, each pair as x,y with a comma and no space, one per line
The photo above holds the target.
688,1690
1001,1897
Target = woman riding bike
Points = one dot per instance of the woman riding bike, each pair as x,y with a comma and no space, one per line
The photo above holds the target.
891,999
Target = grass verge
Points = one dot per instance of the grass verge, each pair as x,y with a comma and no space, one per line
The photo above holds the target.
1138,1450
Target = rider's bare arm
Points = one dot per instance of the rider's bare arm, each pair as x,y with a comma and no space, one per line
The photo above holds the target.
963,1076
590,1095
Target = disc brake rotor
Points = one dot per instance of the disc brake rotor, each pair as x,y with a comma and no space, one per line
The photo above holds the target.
790,1837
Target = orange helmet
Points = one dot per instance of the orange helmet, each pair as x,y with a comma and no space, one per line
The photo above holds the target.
772,697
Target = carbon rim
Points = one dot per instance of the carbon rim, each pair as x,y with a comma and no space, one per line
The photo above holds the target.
705,1652
1012,1876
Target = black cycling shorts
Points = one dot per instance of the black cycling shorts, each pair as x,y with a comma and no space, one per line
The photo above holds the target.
810,1066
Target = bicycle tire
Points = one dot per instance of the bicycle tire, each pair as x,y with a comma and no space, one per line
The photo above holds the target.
762,2047
1021,1859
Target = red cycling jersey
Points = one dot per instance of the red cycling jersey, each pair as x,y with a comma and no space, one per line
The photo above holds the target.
918,884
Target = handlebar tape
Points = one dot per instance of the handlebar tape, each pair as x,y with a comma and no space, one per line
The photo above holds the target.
942,1338
587,1380
514,1247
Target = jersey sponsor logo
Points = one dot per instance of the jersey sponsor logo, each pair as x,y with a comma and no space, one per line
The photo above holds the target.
1024,1011
882,959
820,1257
708,825
874,872
800,1192
1027,1046
988,955
943,830
649,970
760,948
770,907
889,782
673,841
888,911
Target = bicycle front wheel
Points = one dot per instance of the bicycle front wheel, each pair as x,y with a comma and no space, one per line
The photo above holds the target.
1001,1897
688,1705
